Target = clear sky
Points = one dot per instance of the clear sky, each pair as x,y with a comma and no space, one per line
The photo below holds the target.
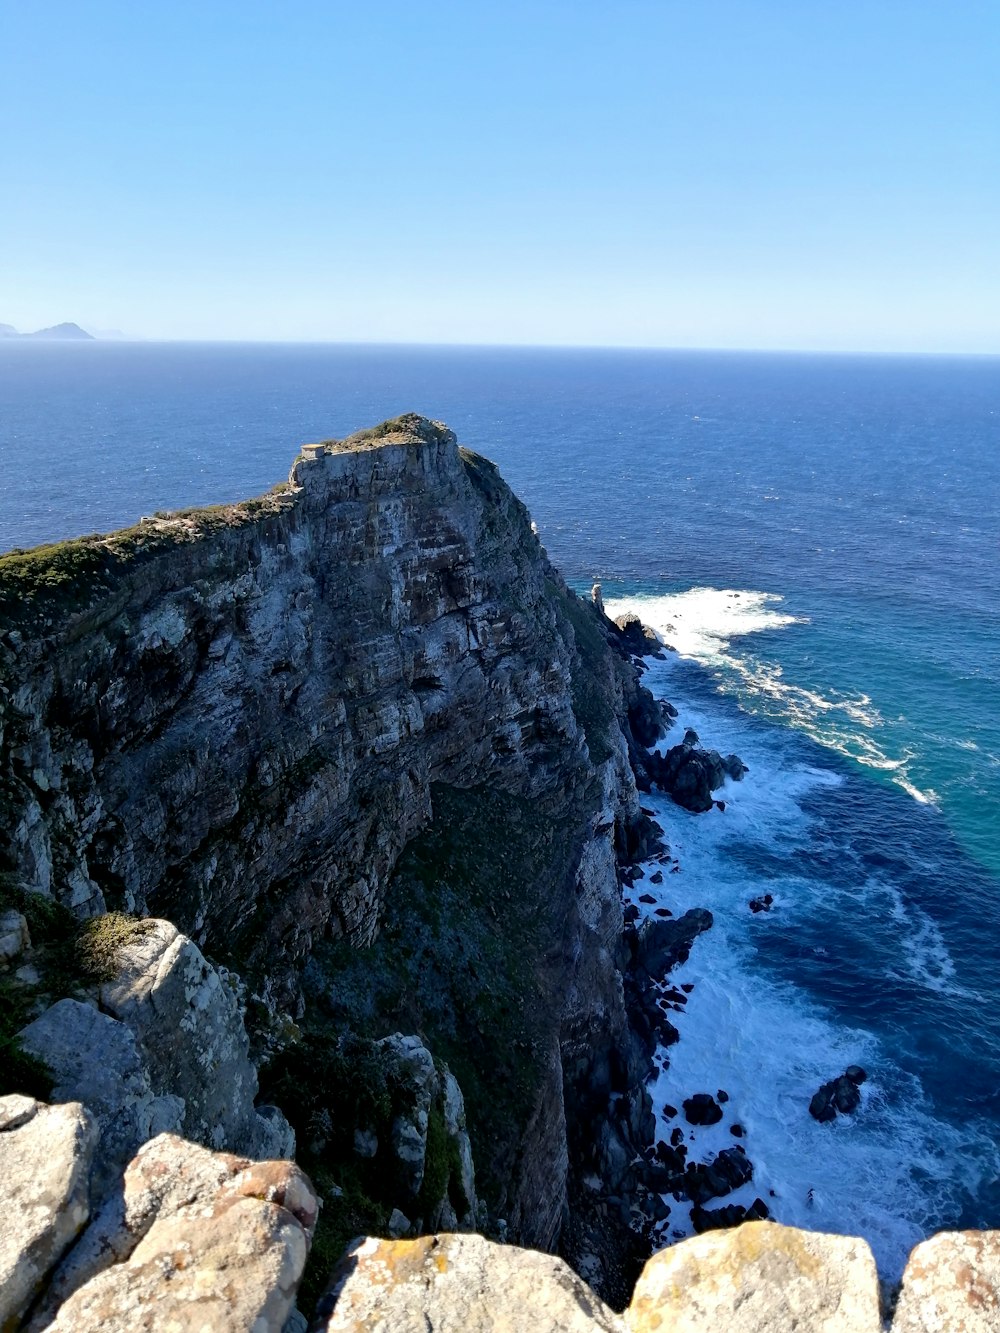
716,173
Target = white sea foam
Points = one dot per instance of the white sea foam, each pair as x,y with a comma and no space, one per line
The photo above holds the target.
702,623
892,1171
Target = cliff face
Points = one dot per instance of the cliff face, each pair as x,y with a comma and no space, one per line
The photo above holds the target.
239,719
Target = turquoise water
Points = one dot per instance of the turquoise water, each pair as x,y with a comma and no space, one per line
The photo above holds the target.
853,504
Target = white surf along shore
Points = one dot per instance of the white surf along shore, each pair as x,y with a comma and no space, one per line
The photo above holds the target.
892,1171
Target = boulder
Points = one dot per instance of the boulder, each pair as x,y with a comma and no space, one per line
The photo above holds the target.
725,1173
731,1215
457,1284
758,1278
840,1094
662,943
190,1035
702,1109
14,937
951,1282
637,638
691,774
45,1158
196,1240
95,1060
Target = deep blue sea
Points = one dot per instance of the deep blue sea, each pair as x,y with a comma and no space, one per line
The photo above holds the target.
819,537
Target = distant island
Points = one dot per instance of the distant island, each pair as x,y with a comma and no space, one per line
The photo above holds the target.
58,332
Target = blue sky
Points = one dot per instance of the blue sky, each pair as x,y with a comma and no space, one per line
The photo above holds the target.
762,173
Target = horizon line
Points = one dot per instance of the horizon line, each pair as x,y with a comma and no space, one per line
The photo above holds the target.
499,346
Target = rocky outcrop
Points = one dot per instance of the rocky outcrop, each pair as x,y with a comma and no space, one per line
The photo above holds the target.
690,774
166,1050
457,1284
840,1094
194,1240
951,1282
284,725
45,1156
759,1278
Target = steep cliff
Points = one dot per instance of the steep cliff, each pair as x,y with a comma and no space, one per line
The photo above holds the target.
358,740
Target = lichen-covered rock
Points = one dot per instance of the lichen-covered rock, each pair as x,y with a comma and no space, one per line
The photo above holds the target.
196,1241
45,1156
194,1045
95,1060
951,1285
457,1284
758,1278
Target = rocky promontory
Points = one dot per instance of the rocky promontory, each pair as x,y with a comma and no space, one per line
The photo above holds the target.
315,814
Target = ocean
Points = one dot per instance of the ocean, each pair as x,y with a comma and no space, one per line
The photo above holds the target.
818,537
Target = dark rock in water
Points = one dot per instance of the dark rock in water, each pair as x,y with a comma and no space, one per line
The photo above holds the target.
735,767
687,987
702,1109
761,904
720,806
631,912
638,638
722,1095
661,945
729,1170
667,709
646,898
663,911
691,774
656,878
645,718
840,1094
732,1215
669,1111
676,1136
737,1131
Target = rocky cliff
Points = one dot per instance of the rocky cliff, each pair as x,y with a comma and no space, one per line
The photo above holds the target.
360,743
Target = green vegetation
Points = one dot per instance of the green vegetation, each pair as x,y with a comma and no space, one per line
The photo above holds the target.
592,685
101,939
69,960
64,577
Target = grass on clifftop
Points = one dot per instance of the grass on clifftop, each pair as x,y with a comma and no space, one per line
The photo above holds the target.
66,576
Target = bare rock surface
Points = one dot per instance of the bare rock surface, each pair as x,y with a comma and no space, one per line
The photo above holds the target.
197,1241
457,1284
758,1278
188,1026
951,1285
45,1156
95,1060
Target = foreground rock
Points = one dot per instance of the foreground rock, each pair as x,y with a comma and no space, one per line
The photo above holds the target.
758,1278
167,1051
45,1156
457,1284
197,1241
951,1283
